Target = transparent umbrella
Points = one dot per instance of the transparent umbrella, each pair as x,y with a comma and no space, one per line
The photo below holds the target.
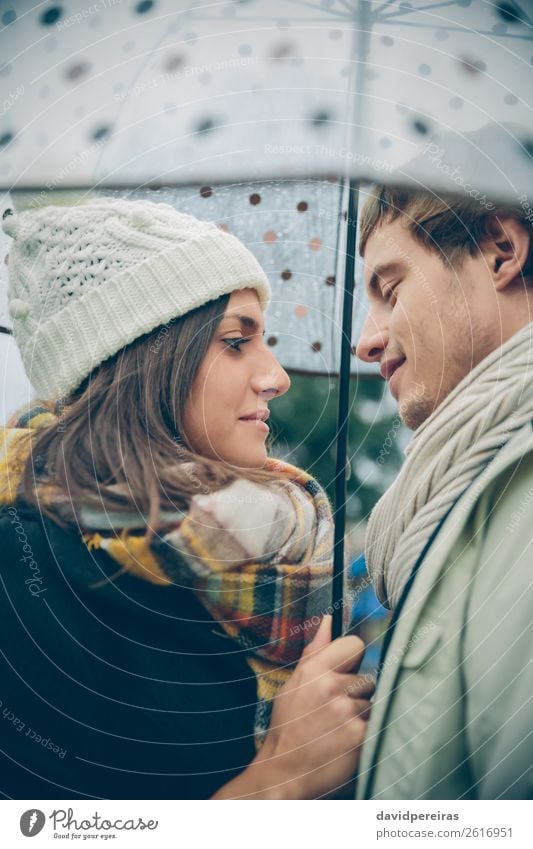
267,116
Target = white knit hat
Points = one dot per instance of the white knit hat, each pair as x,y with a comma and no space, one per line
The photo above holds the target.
86,280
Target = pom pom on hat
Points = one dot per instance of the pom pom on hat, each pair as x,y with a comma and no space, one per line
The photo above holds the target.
140,218
9,222
18,308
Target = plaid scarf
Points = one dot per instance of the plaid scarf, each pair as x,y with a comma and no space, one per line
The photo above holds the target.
258,556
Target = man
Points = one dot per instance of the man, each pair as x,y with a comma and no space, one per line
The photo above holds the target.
450,544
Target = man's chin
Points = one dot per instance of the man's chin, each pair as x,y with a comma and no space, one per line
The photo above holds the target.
414,407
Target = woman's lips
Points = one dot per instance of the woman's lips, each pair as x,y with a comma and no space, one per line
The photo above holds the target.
259,424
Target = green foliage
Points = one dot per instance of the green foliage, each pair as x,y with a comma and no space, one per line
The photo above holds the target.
304,426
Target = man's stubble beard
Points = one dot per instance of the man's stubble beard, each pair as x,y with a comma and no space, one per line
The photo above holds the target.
463,355
416,408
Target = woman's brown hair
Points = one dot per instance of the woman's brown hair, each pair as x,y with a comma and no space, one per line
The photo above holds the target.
118,443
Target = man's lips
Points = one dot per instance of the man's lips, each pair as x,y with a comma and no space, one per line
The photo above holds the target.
388,367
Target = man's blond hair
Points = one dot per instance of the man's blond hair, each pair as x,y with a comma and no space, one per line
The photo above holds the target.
452,227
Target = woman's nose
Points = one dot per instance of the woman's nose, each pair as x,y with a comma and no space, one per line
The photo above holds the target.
372,342
273,382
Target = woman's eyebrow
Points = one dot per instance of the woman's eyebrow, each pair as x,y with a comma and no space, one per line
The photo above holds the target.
247,322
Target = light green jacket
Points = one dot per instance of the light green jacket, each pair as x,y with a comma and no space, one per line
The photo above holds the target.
453,712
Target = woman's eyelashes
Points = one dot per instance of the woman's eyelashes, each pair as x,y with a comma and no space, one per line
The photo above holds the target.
236,342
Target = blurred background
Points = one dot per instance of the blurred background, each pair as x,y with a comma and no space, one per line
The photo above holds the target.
259,115
304,426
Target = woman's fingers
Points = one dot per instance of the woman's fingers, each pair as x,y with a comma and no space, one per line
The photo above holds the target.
321,639
342,655
319,718
359,686
361,708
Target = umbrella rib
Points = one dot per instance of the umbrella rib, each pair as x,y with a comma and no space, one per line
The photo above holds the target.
449,28
430,7
317,8
381,8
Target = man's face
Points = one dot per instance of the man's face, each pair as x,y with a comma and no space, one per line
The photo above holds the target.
428,324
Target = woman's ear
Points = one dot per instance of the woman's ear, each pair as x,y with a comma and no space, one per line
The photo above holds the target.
506,251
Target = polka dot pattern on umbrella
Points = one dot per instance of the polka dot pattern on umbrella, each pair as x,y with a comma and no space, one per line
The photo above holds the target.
130,93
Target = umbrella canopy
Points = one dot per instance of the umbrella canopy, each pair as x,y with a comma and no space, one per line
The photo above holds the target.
217,103
125,93
221,100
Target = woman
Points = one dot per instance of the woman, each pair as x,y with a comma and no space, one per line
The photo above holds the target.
164,556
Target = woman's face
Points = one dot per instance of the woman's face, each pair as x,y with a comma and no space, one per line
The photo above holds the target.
225,416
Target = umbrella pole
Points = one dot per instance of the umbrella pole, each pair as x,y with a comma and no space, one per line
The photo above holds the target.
342,416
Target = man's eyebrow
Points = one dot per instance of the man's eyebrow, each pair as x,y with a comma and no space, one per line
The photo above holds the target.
247,322
381,271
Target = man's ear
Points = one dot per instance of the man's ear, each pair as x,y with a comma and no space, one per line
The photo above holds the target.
506,251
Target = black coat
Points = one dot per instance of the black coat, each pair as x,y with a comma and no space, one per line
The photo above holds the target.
124,691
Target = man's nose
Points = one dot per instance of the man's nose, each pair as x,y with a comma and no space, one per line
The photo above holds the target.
373,341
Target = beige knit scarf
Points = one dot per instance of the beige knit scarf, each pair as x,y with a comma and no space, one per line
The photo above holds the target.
446,453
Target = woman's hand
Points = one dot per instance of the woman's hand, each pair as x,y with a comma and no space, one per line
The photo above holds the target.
318,724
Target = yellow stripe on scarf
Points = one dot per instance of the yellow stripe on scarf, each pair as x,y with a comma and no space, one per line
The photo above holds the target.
15,448
133,553
270,679
196,547
13,457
